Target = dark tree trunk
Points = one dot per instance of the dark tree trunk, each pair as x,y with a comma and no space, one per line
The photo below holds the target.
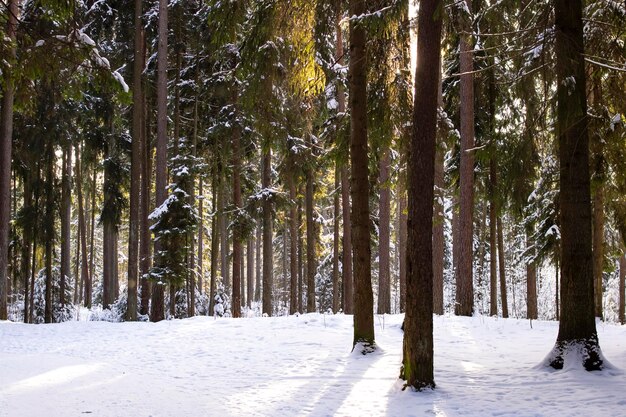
257,274
82,225
311,265
598,246
158,289
417,363
135,166
49,231
6,137
92,232
293,239
577,327
300,259
335,272
464,274
556,292
250,272
402,232
268,255
503,290
66,220
28,237
384,280
215,242
237,238
438,223
223,231
531,282
200,260
493,268
359,186
145,244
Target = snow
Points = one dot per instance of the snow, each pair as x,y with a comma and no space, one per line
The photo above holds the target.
120,80
296,365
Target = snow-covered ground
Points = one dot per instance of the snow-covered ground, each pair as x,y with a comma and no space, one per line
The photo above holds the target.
289,366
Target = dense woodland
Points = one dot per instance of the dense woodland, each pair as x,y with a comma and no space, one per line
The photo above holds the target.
165,159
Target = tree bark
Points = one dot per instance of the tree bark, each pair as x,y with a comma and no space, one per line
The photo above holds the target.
145,243
464,273
223,233
200,260
257,274
237,238
359,186
577,327
82,226
335,271
293,239
250,272
402,232
28,236
503,290
158,289
598,246
268,253
215,241
135,166
622,279
384,279
49,231
6,138
438,219
493,251
531,282
66,220
417,362
310,237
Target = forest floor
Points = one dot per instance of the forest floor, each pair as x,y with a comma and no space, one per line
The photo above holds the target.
288,366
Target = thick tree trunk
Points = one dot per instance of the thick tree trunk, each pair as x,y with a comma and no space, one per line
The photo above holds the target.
268,254
577,327
158,289
556,292
311,263
384,279
66,220
464,273
402,232
82,225
145,244
135,166
359,186
598,246
6,138
417,362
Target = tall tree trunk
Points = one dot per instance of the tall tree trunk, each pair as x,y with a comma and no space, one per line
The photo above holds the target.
598,246
359,187
92,233
268,255
158,290
464,274
145,243
82,224
300,258
335,272
293,239
66,220
503,290
556,292
6,138
577,327
493,268
200,237
28,237
237,237
438,215
402,232
310,238
215,242
223,232
384,279
49,231
135,166
417,362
